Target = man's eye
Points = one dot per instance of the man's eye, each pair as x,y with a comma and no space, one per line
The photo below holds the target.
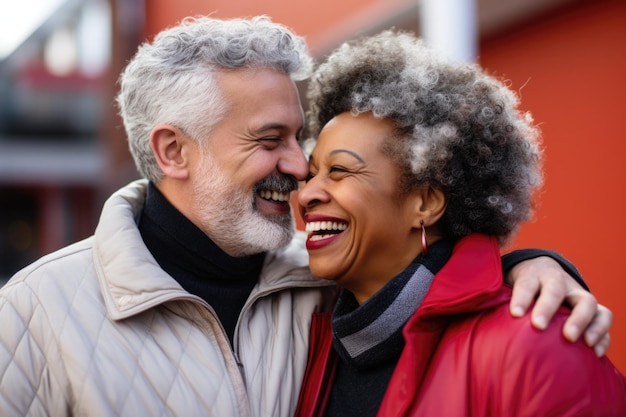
309,177
271,141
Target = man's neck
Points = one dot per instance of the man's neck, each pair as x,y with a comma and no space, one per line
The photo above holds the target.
195,261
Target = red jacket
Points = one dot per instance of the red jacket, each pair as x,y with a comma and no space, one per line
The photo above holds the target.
465,355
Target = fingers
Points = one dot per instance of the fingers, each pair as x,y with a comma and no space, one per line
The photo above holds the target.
524,293
584,311
542,277
550,299
594,318
602,346
545,277
596,334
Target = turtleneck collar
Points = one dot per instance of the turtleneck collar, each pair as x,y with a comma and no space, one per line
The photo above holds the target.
177,243
196,262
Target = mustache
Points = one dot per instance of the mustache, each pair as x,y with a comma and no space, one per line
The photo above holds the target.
278,182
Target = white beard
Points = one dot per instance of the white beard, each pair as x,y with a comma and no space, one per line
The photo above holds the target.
229,217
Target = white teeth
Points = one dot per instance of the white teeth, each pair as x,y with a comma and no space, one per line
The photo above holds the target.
325,225
274,195
320,237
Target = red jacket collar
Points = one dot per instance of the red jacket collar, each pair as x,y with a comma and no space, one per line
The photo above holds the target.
470,281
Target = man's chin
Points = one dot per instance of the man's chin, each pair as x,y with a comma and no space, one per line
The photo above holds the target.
278,235
266,234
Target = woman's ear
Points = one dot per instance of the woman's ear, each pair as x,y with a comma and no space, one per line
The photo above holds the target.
171,150
430,204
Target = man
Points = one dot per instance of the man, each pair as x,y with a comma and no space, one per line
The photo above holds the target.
193,296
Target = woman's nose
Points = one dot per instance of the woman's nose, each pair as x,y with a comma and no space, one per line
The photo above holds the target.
312,193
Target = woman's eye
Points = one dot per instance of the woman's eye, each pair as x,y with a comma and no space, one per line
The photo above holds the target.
337,169
331,170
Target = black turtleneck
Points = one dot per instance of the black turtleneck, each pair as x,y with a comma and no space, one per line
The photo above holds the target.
195,261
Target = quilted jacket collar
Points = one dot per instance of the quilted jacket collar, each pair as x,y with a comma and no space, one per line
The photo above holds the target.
131,279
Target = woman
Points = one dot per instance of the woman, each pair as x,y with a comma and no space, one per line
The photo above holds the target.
422,170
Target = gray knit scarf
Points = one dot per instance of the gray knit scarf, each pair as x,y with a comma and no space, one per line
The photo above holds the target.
371,334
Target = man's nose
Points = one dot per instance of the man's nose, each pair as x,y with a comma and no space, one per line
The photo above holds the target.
294,162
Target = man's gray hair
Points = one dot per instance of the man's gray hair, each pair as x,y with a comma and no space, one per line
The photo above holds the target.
173,79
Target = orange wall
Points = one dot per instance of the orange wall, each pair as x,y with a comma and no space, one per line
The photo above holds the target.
317,20
569,68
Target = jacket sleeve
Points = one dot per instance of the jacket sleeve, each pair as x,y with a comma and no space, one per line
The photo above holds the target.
531,373
511,259
28,382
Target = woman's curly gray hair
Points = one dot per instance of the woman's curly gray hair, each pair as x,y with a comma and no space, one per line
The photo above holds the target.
172,80
459,130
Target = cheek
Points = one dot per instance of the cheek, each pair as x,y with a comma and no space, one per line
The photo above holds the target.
249,171
379,225
258,166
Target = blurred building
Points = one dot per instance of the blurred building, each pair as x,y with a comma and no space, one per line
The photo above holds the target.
56,95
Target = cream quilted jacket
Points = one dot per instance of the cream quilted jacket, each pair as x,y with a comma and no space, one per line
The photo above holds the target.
98,329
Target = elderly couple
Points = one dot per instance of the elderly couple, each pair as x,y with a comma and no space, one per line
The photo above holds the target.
196,296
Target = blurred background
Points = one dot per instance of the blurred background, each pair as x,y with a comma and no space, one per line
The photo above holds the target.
63,149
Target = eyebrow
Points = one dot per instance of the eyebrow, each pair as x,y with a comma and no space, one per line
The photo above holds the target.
273,126
354,154
269,126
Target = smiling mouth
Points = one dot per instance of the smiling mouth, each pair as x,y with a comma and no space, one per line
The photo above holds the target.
321,230
274,196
